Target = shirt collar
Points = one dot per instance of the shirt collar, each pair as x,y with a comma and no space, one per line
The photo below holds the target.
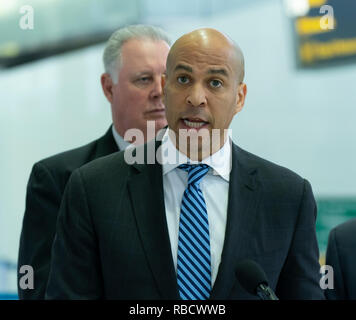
220,161
121,143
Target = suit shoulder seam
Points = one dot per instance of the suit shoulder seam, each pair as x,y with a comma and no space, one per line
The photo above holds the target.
47,170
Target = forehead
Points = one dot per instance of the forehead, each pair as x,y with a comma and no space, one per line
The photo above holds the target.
203,58
137,53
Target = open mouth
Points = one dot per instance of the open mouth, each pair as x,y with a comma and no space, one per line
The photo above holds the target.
194,123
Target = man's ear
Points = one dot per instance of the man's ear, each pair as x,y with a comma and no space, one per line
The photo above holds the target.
241,96
163,83
107,85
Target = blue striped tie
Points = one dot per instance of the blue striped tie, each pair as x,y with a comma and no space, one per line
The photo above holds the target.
193,261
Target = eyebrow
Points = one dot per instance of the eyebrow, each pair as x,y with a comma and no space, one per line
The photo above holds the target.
210,71
183,67
144,72
218,71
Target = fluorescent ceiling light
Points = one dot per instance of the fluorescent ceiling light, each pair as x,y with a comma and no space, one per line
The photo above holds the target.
8,6
296,8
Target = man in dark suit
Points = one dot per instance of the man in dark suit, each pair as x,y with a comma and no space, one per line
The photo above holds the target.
341,255
176,225
134,61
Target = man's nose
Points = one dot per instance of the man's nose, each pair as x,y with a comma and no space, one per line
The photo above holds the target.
196,96
156,91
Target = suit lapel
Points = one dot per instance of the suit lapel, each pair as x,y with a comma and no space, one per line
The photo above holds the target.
146,191
242,208
105,145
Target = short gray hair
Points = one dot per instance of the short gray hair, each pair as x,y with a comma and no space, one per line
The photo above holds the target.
112,52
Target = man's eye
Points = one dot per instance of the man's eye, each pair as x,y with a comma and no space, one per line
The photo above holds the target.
183,80
216,83
144,79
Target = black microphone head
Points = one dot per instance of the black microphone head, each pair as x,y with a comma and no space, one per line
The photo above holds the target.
250,275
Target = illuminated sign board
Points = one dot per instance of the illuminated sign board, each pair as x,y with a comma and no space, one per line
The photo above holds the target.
326,31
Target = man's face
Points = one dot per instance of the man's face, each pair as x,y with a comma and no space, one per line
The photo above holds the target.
137,97
202,89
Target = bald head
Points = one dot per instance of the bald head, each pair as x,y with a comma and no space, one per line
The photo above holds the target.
211,41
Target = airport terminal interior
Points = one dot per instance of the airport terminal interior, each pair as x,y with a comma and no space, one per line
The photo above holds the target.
300,71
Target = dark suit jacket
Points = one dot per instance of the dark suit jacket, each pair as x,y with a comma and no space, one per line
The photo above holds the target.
112,238
341,255
44,193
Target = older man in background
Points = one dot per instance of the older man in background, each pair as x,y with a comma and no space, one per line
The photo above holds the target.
134,61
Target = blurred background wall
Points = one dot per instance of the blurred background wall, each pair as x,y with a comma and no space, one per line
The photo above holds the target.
296,115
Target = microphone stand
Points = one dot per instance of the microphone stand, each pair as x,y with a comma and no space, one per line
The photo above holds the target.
265,292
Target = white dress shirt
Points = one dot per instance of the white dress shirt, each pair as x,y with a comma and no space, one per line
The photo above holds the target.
121,143
215,188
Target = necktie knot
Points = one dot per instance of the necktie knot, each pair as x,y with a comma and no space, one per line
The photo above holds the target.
196,172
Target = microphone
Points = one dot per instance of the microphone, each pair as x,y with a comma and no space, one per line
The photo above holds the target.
254,280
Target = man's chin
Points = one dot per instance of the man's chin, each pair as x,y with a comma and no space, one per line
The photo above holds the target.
161,123
156,114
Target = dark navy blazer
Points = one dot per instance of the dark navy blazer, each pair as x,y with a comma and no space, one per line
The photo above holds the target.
341,255
44,194
112,238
